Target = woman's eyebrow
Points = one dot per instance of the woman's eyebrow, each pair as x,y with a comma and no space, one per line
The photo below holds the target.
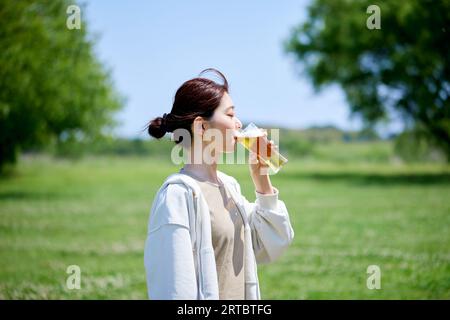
230,107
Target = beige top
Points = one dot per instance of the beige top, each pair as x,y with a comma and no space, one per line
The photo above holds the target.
227,228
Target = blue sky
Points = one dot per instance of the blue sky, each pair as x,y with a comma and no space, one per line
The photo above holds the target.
152,47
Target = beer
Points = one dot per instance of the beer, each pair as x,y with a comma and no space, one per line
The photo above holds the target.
255,140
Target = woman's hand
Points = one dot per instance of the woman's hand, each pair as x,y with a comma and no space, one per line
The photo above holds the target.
259,172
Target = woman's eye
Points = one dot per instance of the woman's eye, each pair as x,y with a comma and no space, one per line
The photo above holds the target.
231,115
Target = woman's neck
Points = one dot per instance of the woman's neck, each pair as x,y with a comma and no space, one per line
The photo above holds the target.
204,169
206,172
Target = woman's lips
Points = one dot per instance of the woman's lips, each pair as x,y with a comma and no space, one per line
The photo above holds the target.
237,135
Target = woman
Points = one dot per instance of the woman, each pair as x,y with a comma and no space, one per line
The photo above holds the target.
204,238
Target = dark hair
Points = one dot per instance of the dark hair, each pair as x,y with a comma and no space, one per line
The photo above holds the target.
196,97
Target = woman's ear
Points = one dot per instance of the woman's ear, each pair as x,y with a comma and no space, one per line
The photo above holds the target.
198,126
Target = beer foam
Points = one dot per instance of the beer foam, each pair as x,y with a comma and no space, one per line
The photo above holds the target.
252,134
251,131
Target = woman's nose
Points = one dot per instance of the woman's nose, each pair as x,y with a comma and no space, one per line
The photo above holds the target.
238,124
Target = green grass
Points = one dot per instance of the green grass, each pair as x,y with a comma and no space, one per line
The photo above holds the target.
93,213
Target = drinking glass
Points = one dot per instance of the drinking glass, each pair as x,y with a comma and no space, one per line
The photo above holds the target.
255,140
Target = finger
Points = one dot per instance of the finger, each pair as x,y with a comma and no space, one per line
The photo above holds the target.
263,164
272,144
253,159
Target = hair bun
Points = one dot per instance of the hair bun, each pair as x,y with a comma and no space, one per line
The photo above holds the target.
158,127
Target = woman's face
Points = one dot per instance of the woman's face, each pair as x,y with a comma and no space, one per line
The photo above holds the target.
224,120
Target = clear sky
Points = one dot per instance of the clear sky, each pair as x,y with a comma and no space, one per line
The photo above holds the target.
152,47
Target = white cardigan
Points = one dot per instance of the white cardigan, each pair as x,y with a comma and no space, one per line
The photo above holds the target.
179,257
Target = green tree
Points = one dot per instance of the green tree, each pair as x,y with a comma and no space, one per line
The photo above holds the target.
401,69
52,87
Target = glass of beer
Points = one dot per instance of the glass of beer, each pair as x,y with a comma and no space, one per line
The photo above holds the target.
255,140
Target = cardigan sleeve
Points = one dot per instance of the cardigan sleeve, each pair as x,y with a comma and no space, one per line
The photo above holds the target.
168,256
270,225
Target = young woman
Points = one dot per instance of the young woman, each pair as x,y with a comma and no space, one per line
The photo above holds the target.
204,238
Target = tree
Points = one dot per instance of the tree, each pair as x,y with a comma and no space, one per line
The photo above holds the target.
51,84
402,68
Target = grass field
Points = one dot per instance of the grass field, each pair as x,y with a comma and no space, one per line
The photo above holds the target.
93,213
